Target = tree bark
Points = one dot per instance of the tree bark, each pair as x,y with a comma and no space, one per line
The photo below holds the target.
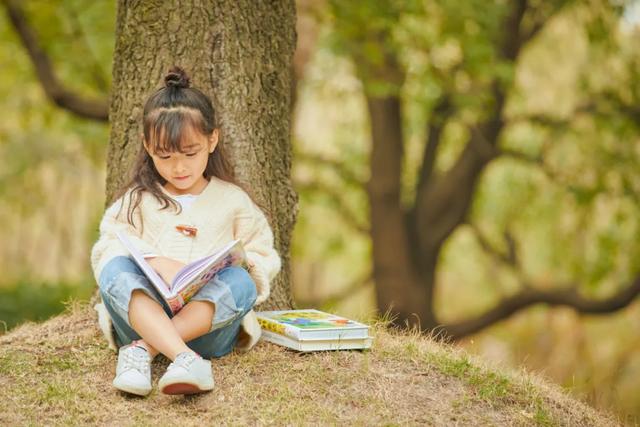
239,53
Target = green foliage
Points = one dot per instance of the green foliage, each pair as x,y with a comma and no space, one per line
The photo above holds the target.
27,301
571,109
574,214
456,48
78,36
49,158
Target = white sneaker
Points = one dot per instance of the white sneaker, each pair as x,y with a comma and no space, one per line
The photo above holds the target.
188,374
133,373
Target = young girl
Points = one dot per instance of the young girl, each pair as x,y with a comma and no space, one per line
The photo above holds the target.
180,205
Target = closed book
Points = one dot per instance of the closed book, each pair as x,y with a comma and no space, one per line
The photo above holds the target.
316,344
311,324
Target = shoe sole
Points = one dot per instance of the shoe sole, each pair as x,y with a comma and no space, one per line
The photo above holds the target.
182,388
131,390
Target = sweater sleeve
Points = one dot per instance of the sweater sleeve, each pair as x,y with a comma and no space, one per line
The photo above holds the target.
108,245
251,226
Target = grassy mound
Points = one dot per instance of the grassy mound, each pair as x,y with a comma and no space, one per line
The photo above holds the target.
60,373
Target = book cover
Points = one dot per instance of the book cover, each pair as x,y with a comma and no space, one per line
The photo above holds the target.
311,324
193,276
317,344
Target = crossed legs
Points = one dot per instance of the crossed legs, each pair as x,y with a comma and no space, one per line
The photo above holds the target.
161,334
137,313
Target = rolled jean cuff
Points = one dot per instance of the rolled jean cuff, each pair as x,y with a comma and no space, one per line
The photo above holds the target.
219,294
230,291
118,280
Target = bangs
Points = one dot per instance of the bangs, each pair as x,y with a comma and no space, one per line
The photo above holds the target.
166,129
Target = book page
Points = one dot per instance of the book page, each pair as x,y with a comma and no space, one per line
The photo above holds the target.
204,269
151,274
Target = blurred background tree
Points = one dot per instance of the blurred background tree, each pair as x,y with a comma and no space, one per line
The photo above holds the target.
470,158
468,68
51,160
487,152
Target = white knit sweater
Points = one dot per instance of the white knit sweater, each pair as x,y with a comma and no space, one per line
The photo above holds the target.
221,213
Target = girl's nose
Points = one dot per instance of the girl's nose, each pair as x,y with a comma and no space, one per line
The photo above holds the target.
178,166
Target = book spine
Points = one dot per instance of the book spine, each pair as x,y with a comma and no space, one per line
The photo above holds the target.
278,328
175,303
279,339
319,345
186,293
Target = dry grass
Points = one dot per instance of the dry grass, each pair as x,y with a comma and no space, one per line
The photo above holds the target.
60,372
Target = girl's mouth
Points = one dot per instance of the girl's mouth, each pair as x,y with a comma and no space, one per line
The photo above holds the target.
182,177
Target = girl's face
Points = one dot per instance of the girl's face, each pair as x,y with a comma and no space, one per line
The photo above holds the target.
183,170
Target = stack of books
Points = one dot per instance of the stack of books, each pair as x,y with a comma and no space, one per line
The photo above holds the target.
313,330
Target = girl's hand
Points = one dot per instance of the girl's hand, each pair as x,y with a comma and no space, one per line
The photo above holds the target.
167,268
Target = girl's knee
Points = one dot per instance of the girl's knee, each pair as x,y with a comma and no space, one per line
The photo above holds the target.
241,285
115,267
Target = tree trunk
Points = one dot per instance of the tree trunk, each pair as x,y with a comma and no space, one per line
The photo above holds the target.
399,288
239,53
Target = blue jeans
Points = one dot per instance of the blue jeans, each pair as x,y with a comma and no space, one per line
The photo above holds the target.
231,290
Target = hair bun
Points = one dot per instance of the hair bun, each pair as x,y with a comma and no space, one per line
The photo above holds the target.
176,77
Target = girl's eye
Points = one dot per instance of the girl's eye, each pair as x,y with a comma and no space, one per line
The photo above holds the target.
191,154
164,157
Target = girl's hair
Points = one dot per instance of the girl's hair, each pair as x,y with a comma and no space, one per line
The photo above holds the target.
170,113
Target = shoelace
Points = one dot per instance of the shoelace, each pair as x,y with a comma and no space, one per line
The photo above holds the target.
183,360
136,359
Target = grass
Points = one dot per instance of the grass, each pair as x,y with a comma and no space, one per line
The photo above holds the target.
60,372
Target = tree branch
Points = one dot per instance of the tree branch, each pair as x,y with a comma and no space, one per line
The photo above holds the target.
554,123
519,35
346,292
336,200
510,257
341,169
79,33
440,208
518,155
88,108
528,297
435,126
631,111
514,38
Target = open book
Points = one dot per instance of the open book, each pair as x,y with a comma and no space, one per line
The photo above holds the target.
192,276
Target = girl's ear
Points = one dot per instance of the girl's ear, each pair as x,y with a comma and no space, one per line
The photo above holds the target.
213,140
